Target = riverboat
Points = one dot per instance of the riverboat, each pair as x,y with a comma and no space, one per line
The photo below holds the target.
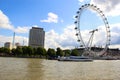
75,58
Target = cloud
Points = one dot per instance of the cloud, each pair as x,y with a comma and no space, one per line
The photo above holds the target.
109,7
115,34
68,40
51,39
115,46
4,39
52,17
6,24
22,29
80,0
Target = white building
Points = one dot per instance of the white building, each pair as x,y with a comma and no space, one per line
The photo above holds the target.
36,37
8,45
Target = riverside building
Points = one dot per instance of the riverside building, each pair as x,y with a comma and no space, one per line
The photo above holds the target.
36,37
8,45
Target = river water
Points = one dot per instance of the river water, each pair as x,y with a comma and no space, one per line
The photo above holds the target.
41,69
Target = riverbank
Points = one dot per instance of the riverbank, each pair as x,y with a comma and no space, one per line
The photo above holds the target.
24,57
34,57
38,57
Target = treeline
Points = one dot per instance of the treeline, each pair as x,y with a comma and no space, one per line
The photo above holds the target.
39,52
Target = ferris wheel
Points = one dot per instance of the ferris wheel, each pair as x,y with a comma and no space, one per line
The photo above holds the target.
89,44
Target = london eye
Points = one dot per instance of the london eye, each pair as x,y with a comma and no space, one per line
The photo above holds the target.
89,45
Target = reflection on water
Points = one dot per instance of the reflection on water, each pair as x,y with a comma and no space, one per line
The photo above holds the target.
40,69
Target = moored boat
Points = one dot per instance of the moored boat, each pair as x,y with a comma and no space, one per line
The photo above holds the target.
75,58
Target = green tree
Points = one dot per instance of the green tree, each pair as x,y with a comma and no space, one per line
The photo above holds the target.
18,51
34,51
13,51
51,53
59,52
1,50
67,52
41,51
5,51
75,52
24,48
29,50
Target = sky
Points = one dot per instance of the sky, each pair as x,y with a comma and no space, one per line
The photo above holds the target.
56,17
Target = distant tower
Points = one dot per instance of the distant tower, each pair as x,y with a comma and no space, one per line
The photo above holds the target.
36,37
13,40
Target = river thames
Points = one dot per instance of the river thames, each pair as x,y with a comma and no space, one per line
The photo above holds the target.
41,69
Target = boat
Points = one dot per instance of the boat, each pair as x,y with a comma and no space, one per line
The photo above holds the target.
75,58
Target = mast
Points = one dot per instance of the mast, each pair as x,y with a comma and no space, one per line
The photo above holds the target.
13,40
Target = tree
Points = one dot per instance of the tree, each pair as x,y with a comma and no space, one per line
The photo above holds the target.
51,53
1,49
24,48
13,51
41,51
29,50
67,52
34,51
59,52
75,52
18,51
5,51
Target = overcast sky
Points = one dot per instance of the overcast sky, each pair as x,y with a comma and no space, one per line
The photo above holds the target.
57,19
